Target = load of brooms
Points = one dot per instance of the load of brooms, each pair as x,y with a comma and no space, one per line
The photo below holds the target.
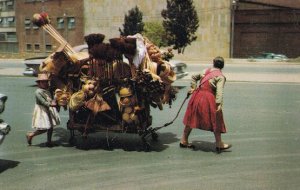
130,67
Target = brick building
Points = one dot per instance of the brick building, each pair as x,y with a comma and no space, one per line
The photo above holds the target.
8,33
66,17
266,26
18,35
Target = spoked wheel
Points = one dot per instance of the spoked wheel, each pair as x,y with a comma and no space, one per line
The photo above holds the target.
146,145
84,143
154,136
72,140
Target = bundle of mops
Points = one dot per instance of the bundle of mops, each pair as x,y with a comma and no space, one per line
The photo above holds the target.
93,39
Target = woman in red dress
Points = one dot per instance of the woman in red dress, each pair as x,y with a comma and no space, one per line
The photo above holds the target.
204,109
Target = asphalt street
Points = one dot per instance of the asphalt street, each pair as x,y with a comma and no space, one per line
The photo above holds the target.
262,118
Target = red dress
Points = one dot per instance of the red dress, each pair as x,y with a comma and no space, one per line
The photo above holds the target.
201,111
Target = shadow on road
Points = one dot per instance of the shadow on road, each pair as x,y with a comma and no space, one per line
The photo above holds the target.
110,141
206,147
7,164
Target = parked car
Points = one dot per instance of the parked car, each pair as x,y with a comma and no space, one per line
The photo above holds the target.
179,68
33,64
4,127
270,56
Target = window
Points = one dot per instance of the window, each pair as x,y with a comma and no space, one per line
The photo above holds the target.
2,37
27,23
28,47
60,23
11,37
35,27
9,3
71,22
10,21
36,47
8,37
48,47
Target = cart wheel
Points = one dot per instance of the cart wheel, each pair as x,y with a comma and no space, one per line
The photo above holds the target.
146,147
72,141
154,136
84,144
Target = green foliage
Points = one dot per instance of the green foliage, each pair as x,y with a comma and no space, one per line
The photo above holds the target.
156,33
180,22
133,22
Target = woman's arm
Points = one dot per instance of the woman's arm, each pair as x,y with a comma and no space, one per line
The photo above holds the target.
220,82
41,98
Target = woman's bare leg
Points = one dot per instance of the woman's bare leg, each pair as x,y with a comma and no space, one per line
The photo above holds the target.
185,136
219,144
30,135
49,135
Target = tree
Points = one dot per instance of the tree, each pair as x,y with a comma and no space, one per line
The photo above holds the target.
156,33
133,22
180,22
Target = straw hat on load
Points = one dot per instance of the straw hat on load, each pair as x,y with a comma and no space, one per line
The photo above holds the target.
42,77
167,74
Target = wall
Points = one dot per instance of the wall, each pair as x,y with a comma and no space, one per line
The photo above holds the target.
107,16
266,29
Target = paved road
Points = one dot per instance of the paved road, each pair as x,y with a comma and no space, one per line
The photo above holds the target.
235,70
263,125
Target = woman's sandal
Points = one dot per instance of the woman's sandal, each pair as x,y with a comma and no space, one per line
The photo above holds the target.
191,146
224,147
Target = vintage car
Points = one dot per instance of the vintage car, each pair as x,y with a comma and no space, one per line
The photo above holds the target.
269,56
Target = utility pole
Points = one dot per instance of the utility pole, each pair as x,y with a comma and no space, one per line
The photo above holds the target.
66,25
233,7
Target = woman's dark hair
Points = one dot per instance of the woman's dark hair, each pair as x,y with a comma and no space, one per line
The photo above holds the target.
218,62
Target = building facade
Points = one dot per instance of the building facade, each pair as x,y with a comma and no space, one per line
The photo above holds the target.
66,17
229,28
19,37
8,32
76,18
266,26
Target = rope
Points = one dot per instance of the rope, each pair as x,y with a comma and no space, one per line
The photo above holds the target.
152,130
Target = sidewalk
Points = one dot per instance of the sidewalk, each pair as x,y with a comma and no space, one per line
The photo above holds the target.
11,71
9,67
